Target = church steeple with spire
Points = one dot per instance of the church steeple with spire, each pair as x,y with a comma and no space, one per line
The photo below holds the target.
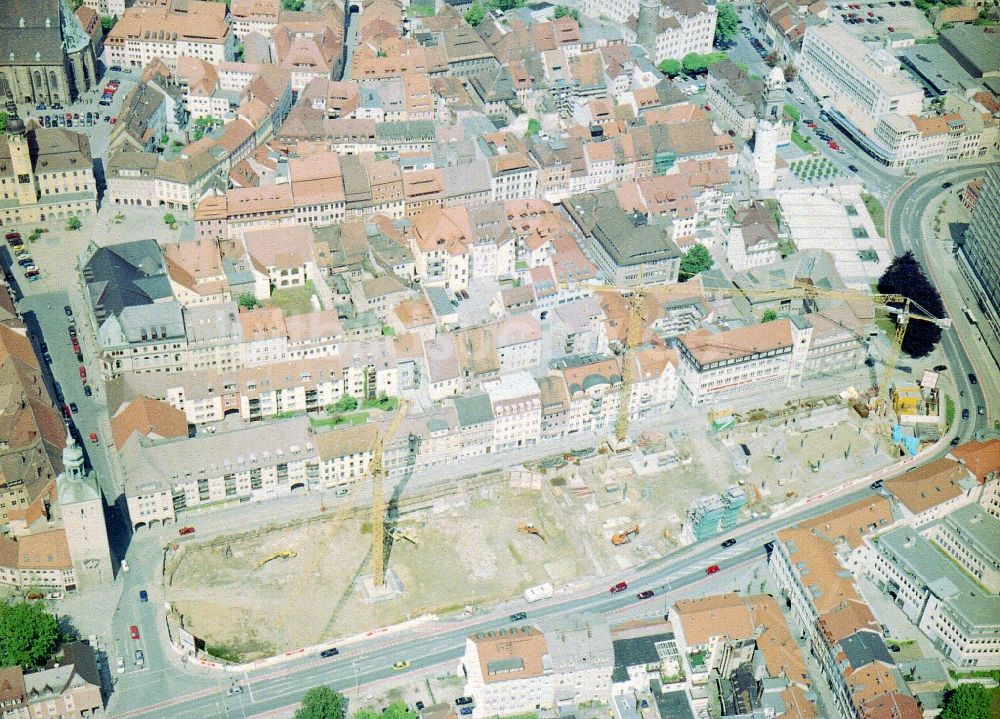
82,508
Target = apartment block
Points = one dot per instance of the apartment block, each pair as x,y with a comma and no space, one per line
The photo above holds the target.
170,30
968,534
931,491
958,615
717,365
860,83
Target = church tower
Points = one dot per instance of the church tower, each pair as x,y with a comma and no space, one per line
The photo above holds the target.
770,122
82,510
20,156
649,21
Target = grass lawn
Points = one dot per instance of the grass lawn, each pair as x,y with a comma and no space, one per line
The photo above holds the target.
949,410
534,127
420,10
294,300
340,420
389,405
876,211
802,143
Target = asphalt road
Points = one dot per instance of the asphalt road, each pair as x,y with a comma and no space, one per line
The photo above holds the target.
905,233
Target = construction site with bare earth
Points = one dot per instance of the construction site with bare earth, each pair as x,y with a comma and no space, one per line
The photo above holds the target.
567,520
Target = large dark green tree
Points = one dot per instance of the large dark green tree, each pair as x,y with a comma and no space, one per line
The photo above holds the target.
967,701
322,703
727,25
904,276
28,635
695,260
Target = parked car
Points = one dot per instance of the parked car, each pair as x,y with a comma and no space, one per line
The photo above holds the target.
462,701
87,390
729,542
120,665
331,652
139,659
465,711
645,595
66,411
143,595
620,587
73,407
93,437
125,566
518,616
400,665
713,569
83,373
184,531
134,631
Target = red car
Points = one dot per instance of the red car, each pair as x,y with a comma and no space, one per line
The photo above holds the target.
833,145
65,411
620,587
93,437
713,569
134,631
185,531
83,373
76,344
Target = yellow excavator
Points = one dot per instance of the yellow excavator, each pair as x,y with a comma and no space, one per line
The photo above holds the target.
624,536
532,529
284,554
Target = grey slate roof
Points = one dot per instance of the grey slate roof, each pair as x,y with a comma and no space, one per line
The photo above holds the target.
125,275
638,651
473,409
864,647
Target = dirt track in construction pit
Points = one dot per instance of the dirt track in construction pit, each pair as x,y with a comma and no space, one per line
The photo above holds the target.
467,550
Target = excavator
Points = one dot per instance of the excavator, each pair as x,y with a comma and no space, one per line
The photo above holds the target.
284,554
532,529
624,536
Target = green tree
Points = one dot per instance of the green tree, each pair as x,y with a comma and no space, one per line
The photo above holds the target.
563,11
396,710
967,701
346,404
670,68
169,219
293,5
506,4
769,316
28,635
727,25
694,63
904,276
322,703
108,22
73,223
695,260
247,300
475,15
790,72
3,121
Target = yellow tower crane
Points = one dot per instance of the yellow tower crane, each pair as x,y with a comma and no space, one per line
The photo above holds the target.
633,338
377,472
900,307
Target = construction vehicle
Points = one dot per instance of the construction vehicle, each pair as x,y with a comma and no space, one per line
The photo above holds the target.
624,536
377,472
397,532
532,529
283,554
